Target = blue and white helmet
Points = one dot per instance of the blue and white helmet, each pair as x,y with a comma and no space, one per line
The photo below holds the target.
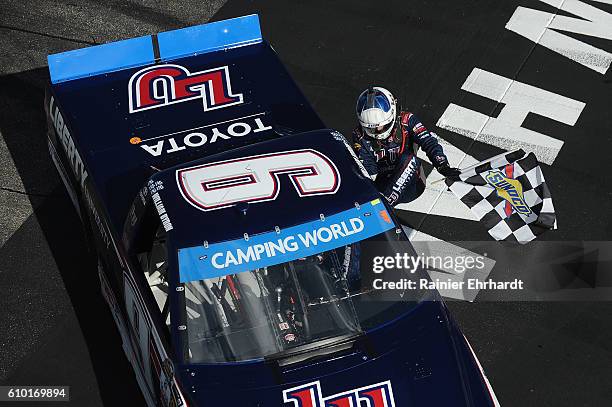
376,112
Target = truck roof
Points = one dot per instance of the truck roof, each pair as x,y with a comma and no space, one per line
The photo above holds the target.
139,106
195,217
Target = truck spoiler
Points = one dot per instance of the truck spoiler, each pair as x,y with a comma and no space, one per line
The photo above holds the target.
149,49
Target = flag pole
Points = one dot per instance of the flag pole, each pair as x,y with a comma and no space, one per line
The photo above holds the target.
438,181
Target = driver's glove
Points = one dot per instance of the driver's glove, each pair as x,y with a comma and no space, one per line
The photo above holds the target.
441,164
448,171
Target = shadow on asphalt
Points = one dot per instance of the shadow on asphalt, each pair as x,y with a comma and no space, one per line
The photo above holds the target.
23,126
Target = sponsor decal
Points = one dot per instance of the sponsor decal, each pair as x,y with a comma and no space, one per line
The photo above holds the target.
201,136
162,85
440,159
510,190
411,168
418,128
155,187
66,141
384,216
310,395
393,153
282,245
256,178
104,234
394,197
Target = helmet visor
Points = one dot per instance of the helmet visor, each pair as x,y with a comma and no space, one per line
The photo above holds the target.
379,131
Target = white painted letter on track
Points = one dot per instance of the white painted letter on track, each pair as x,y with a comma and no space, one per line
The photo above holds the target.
505,131
543,28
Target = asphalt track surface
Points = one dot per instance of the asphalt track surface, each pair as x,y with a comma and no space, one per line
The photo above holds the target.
55,328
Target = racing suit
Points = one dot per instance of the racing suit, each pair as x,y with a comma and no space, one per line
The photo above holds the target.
393,163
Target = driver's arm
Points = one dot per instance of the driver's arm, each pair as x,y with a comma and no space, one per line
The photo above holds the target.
364,154
424,139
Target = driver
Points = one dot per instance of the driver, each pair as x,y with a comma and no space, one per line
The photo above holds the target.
387,145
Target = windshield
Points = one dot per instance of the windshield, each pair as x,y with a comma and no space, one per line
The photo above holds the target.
272,309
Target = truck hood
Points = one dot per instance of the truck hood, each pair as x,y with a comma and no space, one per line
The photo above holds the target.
422,359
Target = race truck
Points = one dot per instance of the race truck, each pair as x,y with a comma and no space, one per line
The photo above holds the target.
234,232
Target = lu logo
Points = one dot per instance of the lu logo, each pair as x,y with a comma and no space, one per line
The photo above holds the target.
162,85
309,395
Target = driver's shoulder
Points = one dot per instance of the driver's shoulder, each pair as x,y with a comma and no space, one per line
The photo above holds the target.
406,117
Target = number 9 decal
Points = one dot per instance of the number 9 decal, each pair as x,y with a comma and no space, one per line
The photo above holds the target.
256,178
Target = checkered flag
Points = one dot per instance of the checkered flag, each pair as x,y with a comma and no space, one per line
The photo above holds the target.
509,195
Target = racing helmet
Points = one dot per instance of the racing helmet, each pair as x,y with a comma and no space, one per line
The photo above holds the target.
376,112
